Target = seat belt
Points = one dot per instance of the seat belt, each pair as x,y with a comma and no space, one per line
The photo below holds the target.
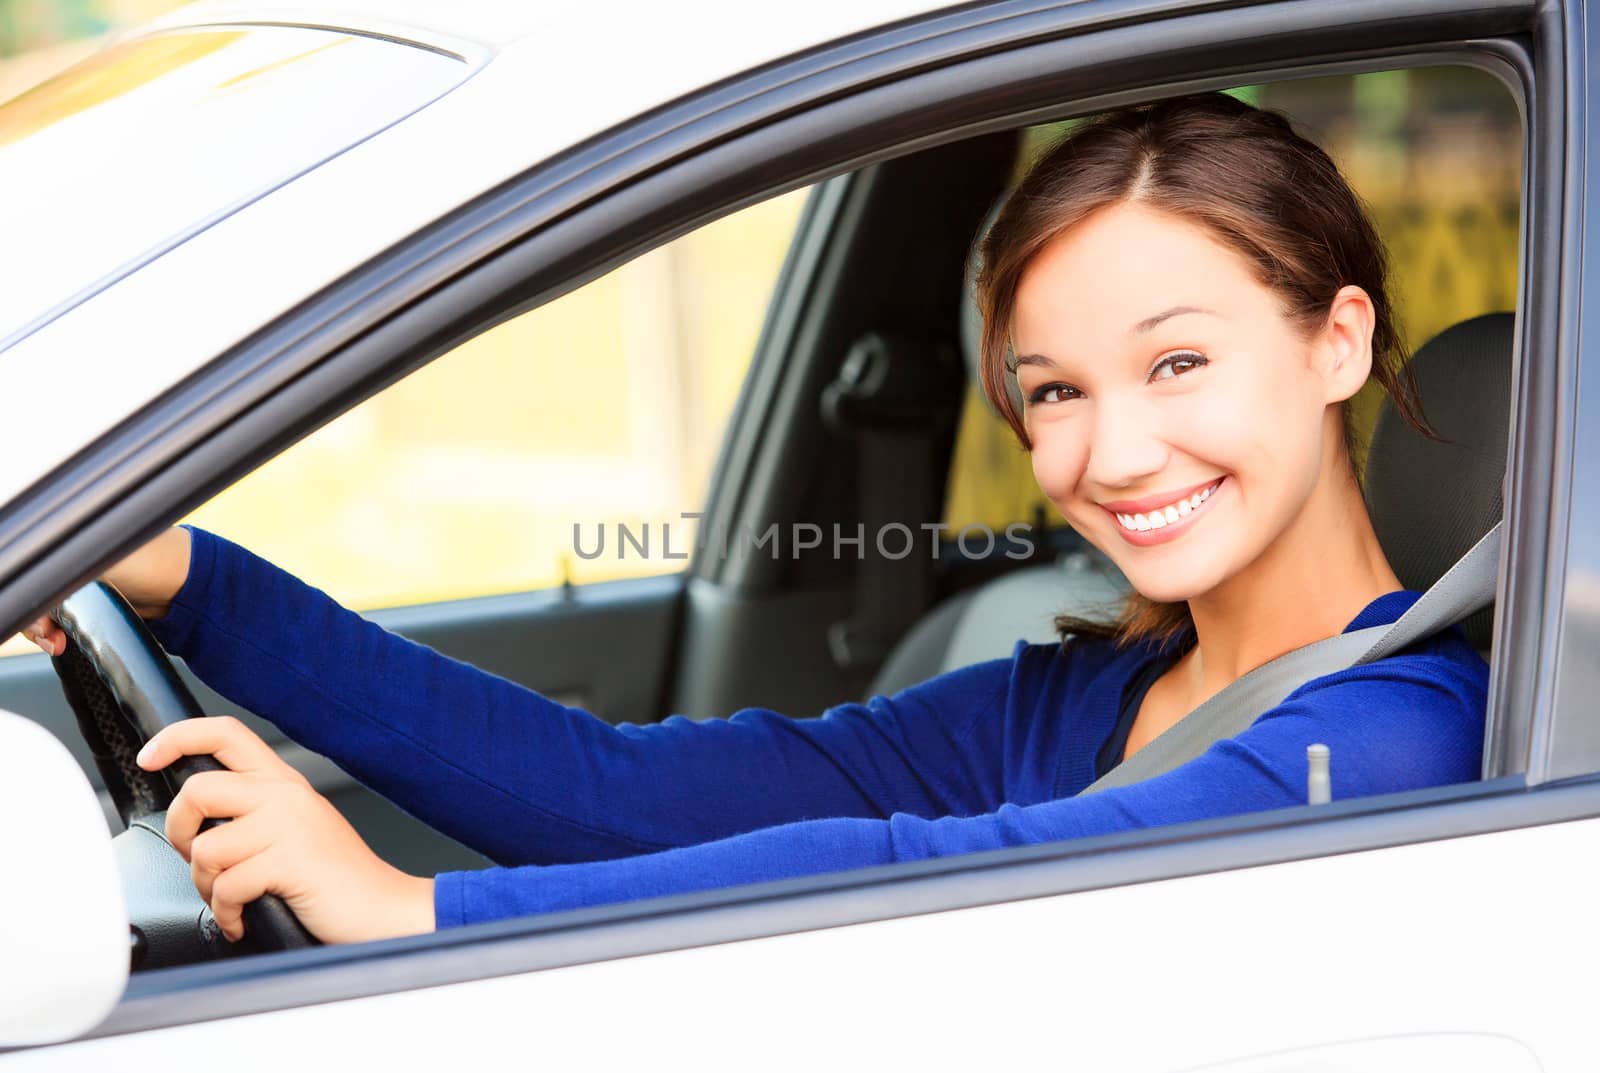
1465,587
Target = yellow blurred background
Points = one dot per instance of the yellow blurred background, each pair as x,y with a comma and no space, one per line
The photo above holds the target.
602,408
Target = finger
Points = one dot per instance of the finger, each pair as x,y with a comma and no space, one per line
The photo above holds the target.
238,887
234,745
221,848
46,634
211,795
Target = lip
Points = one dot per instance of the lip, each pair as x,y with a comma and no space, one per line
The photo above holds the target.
1170,531
1160,499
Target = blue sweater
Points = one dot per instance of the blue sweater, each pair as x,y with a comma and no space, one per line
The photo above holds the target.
578,812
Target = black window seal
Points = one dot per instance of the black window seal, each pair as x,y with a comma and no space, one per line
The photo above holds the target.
365,365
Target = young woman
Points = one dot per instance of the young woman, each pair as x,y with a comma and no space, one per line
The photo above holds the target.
1188,294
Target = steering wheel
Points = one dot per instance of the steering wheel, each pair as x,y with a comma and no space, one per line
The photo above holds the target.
123,689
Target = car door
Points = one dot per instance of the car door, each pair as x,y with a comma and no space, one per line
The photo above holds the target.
1347,938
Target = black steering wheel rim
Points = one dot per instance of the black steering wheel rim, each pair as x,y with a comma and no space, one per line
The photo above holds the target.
123,689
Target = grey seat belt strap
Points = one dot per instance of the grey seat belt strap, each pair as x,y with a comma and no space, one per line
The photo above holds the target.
1464,588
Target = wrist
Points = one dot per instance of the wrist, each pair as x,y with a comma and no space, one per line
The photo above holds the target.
151,578
175,555
412,906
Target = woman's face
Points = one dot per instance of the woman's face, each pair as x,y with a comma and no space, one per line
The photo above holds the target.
1179,421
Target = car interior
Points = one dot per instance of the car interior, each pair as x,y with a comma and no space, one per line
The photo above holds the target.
861,409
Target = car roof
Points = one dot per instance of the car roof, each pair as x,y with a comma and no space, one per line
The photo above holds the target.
491,24
543,80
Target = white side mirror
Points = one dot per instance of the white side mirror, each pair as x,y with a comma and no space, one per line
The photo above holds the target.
63,923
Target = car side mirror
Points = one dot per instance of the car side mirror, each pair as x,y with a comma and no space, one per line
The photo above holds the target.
63,925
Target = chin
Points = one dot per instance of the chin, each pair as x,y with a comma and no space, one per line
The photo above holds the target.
1166,591
1169,574
1167,594
1167,585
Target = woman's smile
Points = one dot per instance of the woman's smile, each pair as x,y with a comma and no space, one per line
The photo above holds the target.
1162,517
1137,423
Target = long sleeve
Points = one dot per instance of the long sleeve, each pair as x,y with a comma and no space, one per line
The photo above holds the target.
1405,722
523,779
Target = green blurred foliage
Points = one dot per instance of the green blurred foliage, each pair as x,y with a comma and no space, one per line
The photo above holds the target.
30,25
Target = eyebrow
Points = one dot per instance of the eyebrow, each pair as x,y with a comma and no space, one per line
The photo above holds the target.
1150,322
1144,325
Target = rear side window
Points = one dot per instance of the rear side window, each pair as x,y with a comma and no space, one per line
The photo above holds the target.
148,142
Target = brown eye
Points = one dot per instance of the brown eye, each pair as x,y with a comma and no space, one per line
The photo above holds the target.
1174,365
1047,393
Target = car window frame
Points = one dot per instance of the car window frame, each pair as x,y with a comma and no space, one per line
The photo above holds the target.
1559,612
581,214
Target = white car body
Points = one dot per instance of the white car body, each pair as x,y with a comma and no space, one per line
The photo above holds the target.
1256,969
1371,960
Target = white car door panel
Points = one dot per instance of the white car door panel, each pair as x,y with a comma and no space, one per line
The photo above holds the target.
1230,967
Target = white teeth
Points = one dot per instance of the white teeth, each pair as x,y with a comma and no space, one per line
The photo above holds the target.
1165,516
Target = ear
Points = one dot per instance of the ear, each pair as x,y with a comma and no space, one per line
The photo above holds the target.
1342,352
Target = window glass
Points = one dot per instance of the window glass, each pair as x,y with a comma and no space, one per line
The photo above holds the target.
145,143
502,465
1436,154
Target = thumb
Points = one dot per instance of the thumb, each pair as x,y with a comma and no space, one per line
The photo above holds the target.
47,635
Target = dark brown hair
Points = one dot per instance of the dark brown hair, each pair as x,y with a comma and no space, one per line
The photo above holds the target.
1256,186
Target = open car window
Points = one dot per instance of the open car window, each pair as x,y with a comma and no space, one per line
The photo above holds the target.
575,442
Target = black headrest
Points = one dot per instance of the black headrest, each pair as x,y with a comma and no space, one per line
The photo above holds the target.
1432,501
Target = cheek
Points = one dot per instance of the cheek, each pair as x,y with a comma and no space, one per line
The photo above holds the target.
1285,418
1254,412
1058,458
1224,428
1266,430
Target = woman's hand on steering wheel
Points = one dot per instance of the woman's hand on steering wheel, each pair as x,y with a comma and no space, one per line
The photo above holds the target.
149,579
283,838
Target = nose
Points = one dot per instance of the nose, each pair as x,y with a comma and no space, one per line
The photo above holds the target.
1125,447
